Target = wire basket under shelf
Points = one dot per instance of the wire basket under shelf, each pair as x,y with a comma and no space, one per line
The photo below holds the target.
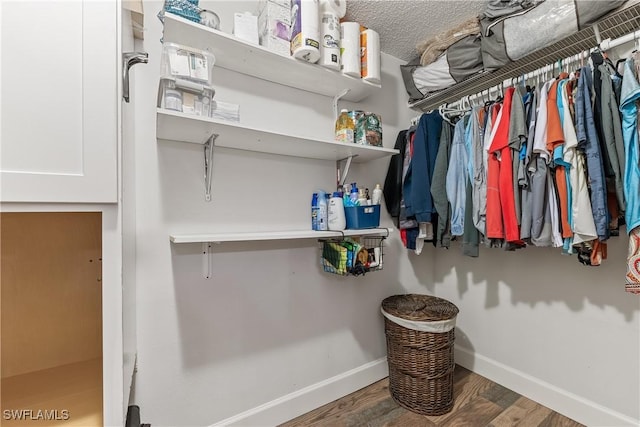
352,256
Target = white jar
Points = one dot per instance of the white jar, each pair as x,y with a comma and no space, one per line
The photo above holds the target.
337,220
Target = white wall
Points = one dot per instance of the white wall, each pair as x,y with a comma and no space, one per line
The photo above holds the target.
542,324
270,323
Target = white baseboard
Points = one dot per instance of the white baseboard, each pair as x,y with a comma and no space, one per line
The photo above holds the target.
309,398
571,405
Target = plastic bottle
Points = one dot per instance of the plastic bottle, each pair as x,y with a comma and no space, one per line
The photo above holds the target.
377,195
362,198
354,195
322,211
314,211
337,219
345,127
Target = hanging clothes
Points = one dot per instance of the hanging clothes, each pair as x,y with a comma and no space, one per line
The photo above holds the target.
479,172
417,184
495,227
517,137
470,234
408,225
633,262
555,145
541,223
392,188
525,174
588,142
612,132
457,177
501,163
630,93
597,59
439,189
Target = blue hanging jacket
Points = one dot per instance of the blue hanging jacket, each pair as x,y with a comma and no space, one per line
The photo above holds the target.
630,93
417,183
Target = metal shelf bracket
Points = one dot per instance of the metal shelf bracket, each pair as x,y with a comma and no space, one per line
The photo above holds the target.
206,260
343,173
208,165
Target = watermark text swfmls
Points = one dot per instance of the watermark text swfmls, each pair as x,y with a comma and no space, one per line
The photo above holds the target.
36,414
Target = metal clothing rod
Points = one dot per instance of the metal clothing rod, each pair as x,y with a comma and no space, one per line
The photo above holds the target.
610,44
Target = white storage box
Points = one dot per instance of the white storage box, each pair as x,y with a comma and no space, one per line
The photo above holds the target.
186,63
225,111
274,26
284,3
245,27
185,96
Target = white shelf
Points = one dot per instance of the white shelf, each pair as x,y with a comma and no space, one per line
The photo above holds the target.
237,55
274,235
176,126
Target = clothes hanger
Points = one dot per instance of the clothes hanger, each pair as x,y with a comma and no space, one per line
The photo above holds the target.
443,115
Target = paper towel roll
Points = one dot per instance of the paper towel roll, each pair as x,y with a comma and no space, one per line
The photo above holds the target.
350,48
370,60
330,40
339,7
304,30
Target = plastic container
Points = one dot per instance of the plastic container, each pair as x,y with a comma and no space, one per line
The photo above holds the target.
187,63
362,198
337,219
185,8
323,211
225,111
345,128
209,19
314,211
359,217
185,96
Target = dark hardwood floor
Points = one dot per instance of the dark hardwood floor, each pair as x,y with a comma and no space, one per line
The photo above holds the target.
479,402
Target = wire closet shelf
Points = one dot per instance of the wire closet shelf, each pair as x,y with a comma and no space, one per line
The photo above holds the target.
615,25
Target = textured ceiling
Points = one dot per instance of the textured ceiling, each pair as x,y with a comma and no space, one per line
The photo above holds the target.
402,24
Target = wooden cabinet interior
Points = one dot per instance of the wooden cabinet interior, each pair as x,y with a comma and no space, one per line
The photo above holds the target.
51,314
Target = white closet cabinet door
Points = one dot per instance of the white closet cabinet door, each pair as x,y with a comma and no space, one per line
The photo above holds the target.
58,116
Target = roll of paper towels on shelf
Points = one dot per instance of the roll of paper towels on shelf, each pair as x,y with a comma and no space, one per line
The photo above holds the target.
339,7
370,59
330,40
350,48
305,35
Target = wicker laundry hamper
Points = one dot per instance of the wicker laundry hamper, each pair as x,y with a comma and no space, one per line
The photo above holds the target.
420,338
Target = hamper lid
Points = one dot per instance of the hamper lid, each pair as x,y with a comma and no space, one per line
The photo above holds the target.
419,307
